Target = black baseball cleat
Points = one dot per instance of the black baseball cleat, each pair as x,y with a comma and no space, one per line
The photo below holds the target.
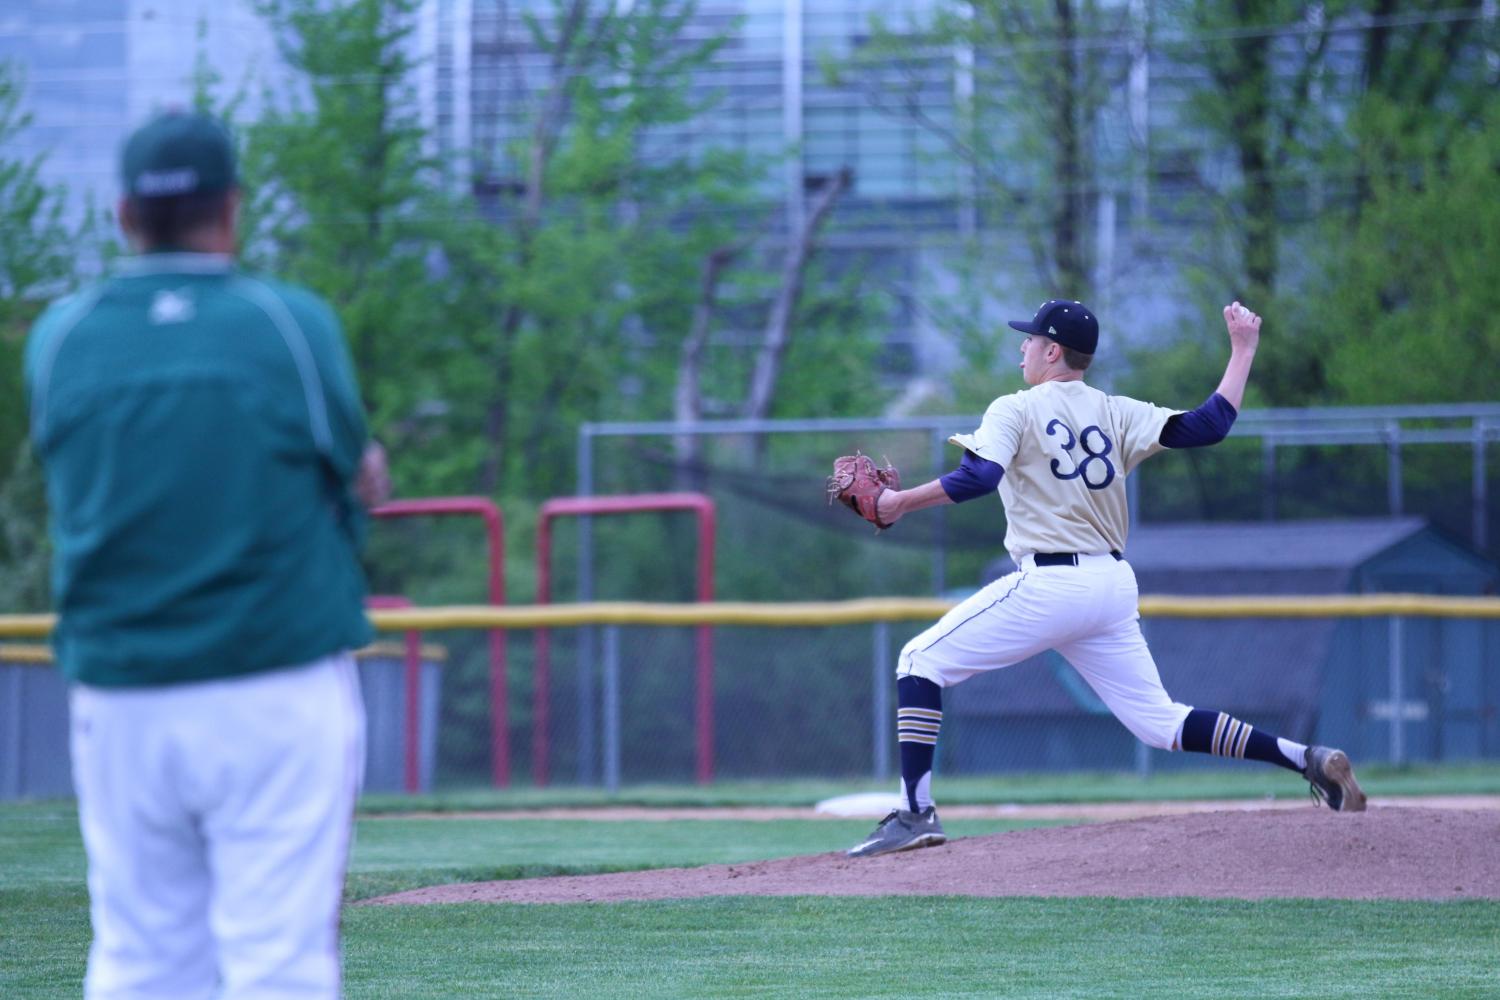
902,830
1331,776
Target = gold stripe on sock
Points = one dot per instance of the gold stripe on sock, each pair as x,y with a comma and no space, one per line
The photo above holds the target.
1219,723
1244,741
1233,739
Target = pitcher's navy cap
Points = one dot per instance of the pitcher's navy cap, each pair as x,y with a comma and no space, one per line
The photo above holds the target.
178,153
1067,322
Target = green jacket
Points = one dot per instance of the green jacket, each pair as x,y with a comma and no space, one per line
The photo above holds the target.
200,430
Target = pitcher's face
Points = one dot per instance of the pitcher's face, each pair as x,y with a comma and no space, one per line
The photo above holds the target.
1034,360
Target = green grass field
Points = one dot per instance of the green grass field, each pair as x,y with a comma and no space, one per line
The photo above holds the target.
796,947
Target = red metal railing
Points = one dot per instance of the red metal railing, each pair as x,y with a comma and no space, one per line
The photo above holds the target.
494,526
557,507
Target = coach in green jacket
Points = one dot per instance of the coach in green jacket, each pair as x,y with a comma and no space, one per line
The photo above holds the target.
207,469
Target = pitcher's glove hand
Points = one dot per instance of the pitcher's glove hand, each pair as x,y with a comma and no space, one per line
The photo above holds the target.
857,483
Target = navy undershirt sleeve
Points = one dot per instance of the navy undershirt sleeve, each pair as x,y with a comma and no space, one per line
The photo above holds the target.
1208,424
974,477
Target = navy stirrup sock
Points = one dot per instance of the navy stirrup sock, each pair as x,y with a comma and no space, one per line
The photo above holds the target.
1222,735
919,718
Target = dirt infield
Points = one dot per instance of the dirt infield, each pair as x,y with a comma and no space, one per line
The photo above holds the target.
1393,853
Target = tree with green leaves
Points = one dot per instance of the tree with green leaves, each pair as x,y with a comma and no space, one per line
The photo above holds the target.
1412,311
1265,113
1022,137
38,254
1264,61
1406,265
606,245
341,196
1309,102
38,261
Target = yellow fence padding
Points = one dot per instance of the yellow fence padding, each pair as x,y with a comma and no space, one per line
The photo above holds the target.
863,610
25,655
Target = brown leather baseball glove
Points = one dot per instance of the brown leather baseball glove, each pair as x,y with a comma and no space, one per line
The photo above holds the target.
857,483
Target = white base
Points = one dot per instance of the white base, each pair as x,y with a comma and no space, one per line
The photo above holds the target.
871,804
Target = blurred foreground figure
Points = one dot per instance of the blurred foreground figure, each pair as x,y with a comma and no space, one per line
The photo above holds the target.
207,464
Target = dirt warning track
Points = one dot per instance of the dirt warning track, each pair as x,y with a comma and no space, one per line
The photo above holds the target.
1396,853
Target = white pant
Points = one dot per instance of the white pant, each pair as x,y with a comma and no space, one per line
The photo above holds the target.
1088,613
217,818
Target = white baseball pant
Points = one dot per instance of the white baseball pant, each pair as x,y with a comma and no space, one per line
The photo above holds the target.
1087,612
217,819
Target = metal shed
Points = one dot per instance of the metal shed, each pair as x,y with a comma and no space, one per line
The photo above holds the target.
1328,680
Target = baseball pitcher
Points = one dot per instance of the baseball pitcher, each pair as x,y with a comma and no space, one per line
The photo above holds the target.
1059,453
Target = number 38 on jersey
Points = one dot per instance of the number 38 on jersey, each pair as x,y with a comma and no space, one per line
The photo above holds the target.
1087,454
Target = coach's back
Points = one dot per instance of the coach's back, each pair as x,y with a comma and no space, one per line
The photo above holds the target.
196,425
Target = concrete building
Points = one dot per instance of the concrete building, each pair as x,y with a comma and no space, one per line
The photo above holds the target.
911,219
93,69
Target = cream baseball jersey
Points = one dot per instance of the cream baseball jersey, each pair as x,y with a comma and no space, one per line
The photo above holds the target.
1066,449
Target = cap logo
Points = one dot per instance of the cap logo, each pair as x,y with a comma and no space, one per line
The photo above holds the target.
155,183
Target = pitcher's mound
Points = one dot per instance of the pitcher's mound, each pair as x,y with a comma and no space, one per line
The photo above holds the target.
1383,854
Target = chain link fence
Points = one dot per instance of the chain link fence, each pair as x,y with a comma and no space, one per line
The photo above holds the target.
622,706
819,701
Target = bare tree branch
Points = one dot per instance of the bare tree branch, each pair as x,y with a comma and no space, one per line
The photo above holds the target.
687,399
793,275
567,54
1293,110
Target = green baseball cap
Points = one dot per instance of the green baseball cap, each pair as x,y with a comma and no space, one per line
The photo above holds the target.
178,153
